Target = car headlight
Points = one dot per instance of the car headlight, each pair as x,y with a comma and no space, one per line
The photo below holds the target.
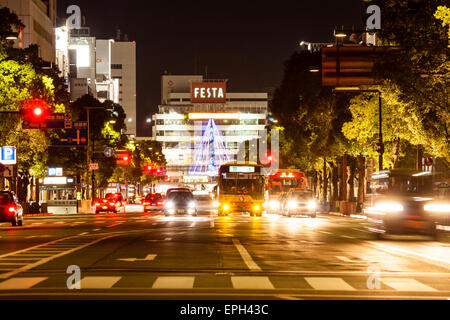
191,204
216,204
226,207
170,204
437,207
312,204
257,208
171,211
274,205
292,204
389,206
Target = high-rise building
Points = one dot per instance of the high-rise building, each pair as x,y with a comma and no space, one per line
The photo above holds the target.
123,72
39,18
116,76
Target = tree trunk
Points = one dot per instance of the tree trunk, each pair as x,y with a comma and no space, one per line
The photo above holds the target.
395,152
361,181
335,181
351,185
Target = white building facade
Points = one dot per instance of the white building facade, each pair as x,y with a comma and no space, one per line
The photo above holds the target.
180,124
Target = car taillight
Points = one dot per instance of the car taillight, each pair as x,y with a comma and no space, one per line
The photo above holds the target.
146,203
160,203
12,209
112,203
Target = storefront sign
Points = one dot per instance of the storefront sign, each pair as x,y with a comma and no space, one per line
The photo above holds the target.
55,172
208,92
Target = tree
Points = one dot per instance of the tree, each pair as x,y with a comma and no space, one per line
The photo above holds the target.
420,69
9,24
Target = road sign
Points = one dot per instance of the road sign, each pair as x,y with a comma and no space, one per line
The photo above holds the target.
67,121
8,155
93,166
73,138
55,172
109,152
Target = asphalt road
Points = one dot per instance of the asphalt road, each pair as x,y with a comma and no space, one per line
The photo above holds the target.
146,255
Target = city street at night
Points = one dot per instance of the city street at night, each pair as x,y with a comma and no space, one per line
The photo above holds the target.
148,255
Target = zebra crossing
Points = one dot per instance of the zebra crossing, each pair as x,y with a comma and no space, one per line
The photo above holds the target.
264,283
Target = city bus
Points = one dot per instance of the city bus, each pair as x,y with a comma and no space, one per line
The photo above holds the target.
279,184
240,188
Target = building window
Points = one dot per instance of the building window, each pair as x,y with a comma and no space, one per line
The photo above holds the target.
116,66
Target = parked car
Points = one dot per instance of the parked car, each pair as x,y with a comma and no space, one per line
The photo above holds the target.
153,201
10,209
180,202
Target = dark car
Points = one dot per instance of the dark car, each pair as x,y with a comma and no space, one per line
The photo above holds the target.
404,202
180,202
153,201
10,209
112,202
301,202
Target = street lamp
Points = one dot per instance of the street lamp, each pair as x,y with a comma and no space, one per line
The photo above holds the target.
12,36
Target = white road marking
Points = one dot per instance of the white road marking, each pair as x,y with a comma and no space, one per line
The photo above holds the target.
252,283
47,259
154,223
174,283
345,259
327,283
20,283
149,257
405,284
83,233
325,232
423,257
98,282
348,237
192,225
115,224
246,256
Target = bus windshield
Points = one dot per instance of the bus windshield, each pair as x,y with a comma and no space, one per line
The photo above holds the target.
245,184
279,185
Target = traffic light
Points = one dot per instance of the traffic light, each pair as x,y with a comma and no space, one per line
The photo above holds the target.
34,113
123,158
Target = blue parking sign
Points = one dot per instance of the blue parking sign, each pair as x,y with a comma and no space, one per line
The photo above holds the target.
8,155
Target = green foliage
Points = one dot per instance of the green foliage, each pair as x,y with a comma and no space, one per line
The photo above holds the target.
420,69
443,13
9,23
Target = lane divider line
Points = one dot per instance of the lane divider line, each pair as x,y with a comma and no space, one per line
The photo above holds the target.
251,264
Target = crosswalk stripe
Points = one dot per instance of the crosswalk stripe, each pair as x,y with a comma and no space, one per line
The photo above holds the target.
402,284
327,283
251,283
98,282
20,283
174,283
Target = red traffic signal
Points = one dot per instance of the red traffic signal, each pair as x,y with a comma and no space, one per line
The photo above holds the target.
123,157
34,113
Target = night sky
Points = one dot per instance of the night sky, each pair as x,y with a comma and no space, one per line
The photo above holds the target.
243,41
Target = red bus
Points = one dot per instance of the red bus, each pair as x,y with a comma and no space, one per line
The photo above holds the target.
280,183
